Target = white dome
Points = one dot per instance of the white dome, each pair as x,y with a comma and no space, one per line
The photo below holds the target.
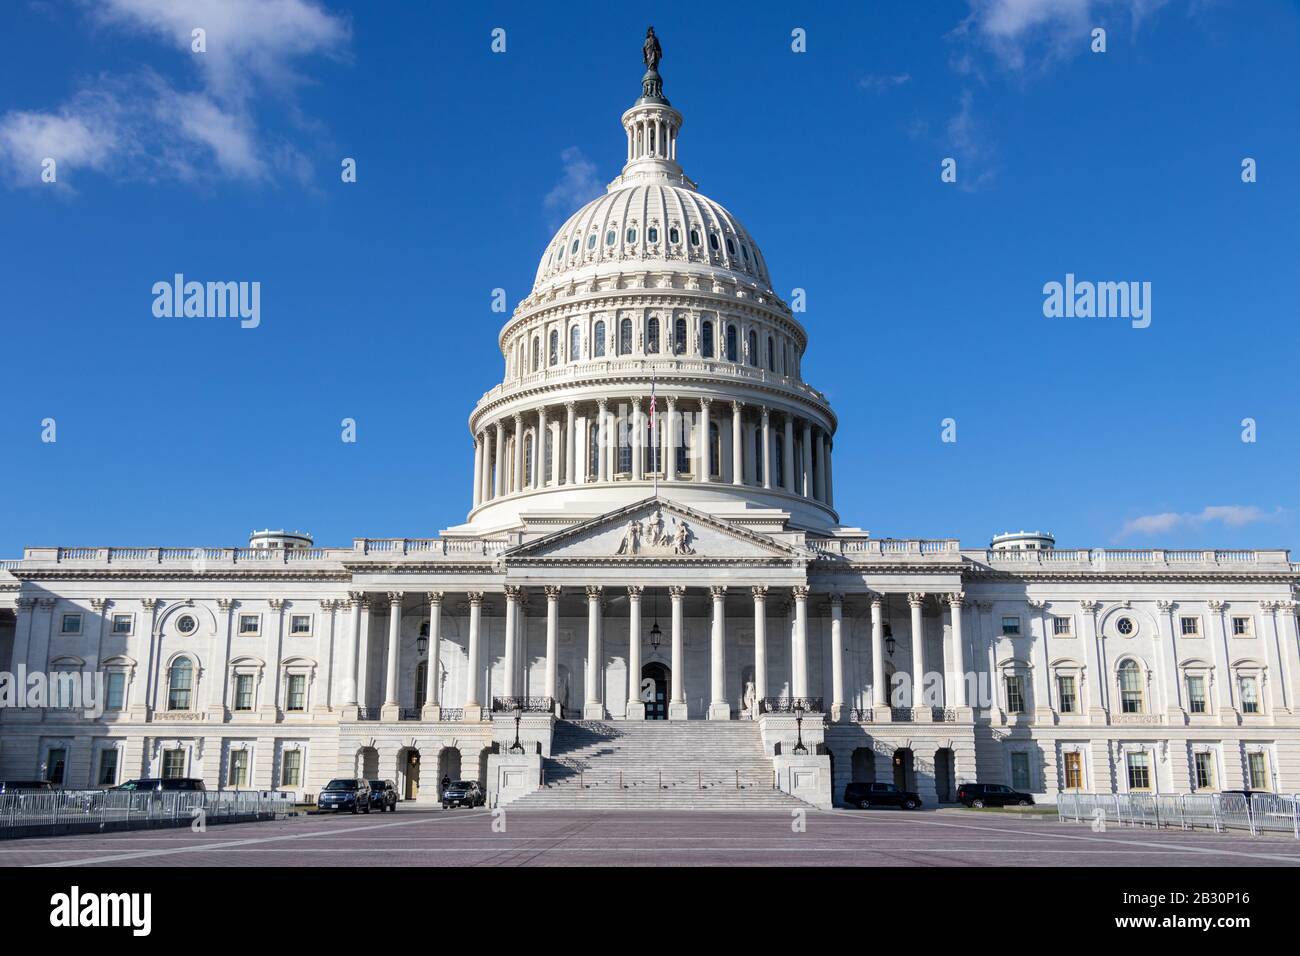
644,224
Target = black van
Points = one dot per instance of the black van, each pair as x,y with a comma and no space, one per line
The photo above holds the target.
160,784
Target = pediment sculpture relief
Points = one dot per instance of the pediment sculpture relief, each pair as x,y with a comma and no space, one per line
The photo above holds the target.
652,535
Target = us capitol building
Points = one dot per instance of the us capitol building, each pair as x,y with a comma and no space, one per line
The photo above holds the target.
653,580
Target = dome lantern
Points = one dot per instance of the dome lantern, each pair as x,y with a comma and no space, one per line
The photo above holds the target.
651,126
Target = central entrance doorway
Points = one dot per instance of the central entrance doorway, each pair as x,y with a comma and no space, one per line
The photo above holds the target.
654,690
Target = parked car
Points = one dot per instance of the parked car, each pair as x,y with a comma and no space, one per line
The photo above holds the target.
383,794
980,795
345,793
16,786
161,784
463,793
865,795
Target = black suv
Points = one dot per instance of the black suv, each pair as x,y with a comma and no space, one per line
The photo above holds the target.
159,784
345,793
383,794
864,795
16,786
463,793
980,795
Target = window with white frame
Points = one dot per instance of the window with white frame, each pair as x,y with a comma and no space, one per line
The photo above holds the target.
1015,685
238,771
1138,765
123,623
291,769
300,625
1067,693
1020,776
1248,688
295,693
1242,626
1257,770
180,684
250,625
106,775
173,763
1197,702
1130,687
71,623
1190,625
1010,626
1203,769
243,699
1063,626
1073,770
115,690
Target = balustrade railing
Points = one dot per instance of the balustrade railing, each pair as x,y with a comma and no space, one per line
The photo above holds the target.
790,705
528,705
652,780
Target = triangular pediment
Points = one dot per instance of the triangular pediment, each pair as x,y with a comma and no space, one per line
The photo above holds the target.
655,529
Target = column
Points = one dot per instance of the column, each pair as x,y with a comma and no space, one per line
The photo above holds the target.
719,709
767,450
830,478
819,478
478,470
800,640
357,602
432,671
593,709
760,647
540,457
677,704
1095,680
552,638
499,486
788,456
570,449
915,600
805,479
390,710
518,485
635,705
838,710
1221,676
512,638
485,491
705,444
737,445
473,711
670,446
637,441
957,679
602,441
879,692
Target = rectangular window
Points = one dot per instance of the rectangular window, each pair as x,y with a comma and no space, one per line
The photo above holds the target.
71,624
1139,770
1067,693
1011,626
1020,770
1257,763
249,623
1191,626
243,692
1204,764
1249,695
1015,694
300,624
296,693
114,690
1063,626
1196,694
1073,771
107,767
55,765
122,623
1241,627
291,775
238,776
173,764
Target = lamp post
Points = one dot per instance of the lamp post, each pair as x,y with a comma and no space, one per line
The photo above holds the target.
799,748
517,747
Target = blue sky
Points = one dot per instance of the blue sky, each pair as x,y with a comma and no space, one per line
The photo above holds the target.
924,298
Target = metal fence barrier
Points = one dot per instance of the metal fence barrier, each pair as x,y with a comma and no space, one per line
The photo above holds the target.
660,779
84,810
1261,813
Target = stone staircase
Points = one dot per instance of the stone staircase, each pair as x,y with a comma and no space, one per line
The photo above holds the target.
657,764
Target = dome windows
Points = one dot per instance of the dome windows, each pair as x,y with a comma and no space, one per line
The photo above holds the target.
674,235
598,341
631,235
695,237
679,337
625,337
652,235
573,250
652,335
752,342
731,247
713,241
610,237
591,242
706,339
744,252
733,346
553,349
575,344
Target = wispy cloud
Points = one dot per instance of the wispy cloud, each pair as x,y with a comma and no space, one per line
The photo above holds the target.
578,185
1229,516
142,125
878,83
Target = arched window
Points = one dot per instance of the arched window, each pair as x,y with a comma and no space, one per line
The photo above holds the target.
679,337
771,354
575,344
598,341
593,452
1130,687
715,451
553,351
652,335
625,337
624,446
421,683
537,353
706,340
753,347
528,461
180,677
731,343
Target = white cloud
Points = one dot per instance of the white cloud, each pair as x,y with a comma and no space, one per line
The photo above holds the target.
1021,33
141,124
1230,516
878,83
578,185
